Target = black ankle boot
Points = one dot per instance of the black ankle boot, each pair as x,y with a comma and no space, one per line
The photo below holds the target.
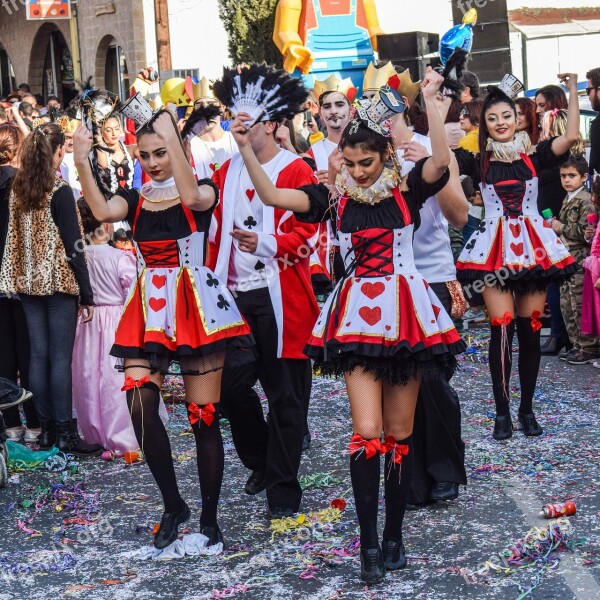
47,437
213,533
503,427
371,565
394,555
529,425
69,442
168,530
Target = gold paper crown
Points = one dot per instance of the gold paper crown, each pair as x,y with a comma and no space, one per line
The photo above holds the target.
198,90
72,125
332,84
403,83
377,77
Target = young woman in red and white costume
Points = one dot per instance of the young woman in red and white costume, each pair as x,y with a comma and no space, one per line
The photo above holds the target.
515,253
176,309
383,328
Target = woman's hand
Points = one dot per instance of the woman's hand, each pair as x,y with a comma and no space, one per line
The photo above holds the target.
239,130
282,135
570,80
413,151
247,240
334,163
431,84
85,312
164,126
557,226
82,144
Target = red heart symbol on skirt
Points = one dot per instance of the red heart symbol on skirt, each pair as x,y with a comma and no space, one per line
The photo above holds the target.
370,315
372,290
159,281
212,166
517,248
157,304
250,194
515,229
388,327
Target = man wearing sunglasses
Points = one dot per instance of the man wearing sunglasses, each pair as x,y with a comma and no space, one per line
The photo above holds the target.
593,92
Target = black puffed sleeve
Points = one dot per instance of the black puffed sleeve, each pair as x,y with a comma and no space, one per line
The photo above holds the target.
320,204
132,197
418,189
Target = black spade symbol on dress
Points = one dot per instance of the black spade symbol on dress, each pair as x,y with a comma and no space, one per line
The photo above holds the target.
259,265
250,222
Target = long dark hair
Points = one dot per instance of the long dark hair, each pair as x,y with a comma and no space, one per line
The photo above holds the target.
527,106
554,97
36,175
494,96
362,137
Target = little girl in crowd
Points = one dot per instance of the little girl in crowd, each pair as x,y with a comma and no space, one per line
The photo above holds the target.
590,304
100,404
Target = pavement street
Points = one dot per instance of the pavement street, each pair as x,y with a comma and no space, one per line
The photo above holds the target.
62,533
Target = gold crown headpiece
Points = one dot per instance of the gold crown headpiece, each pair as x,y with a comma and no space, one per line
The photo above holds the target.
198,89
334,84
403,83
377,77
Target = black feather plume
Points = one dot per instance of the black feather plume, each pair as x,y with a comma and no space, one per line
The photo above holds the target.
453,71
265,93
199,119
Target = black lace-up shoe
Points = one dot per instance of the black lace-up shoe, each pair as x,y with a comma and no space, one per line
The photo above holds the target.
168,530
529,425
503,428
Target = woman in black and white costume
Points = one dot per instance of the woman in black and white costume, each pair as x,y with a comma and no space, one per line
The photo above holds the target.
514,254
383,328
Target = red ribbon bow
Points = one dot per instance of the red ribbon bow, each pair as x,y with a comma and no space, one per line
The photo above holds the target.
358,442
131,383
536,324
197,412
399,450
506,319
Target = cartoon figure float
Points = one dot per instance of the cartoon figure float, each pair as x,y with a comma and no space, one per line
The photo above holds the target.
318,38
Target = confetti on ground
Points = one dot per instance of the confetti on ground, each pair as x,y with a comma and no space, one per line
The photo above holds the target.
68,521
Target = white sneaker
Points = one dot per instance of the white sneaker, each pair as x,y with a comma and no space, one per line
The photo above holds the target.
596,364
474,316
31,435
14,433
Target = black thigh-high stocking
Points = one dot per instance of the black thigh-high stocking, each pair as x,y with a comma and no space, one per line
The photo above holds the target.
398,477
143,403
365,473
500,357
529,360
211,462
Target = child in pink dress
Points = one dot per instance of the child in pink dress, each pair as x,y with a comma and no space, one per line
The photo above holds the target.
100,404
590,304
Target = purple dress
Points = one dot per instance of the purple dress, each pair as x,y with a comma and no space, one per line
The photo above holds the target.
100,404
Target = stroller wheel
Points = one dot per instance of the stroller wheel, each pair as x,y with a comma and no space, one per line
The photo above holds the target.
3,468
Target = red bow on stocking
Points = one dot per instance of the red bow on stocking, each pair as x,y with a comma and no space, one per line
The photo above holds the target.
506,319
399,450
131,383
197,412
358,443
536,324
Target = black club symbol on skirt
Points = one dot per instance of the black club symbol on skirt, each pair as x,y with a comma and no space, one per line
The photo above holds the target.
250,222
211,281
222,303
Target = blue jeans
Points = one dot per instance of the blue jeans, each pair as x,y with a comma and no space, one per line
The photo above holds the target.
51,321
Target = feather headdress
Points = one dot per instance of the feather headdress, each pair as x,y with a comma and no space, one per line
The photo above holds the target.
93,107
265,93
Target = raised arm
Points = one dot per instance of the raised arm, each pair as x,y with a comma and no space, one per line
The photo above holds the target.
287,199
564,142
192,195
106,211
438,162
